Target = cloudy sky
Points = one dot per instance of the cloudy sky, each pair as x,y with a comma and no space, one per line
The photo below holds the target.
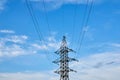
30,33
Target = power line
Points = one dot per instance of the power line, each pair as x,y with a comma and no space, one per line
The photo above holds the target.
84,31
47,20
83,21
90,10
74,21
46,16
36,24
63,17
86,23
34,19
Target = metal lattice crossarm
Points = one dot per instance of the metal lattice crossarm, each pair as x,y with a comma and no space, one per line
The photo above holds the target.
64,60
67,60
67,70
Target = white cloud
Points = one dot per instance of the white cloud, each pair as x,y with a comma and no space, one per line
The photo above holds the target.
7,31
49,44
117,12
105,66
11,51
116,45
104,46
26,76
15,38
55,4
40,47
51,38
2,3
101,66
12,45
64,1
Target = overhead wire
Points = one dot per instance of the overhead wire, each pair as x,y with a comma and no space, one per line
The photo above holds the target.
84,31
83,22
85,25
47,20
73,25
36,24
63,17
34,19
46,16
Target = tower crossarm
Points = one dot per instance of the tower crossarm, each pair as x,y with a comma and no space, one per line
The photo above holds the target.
66,70
70,50
57,61
58,51
72,70
72,59
63,50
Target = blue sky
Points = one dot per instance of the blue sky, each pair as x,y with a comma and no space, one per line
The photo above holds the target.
23,56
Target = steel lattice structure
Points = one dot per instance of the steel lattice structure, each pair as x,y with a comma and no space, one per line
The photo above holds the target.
64,60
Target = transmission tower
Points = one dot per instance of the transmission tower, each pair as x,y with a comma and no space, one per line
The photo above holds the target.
64,60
